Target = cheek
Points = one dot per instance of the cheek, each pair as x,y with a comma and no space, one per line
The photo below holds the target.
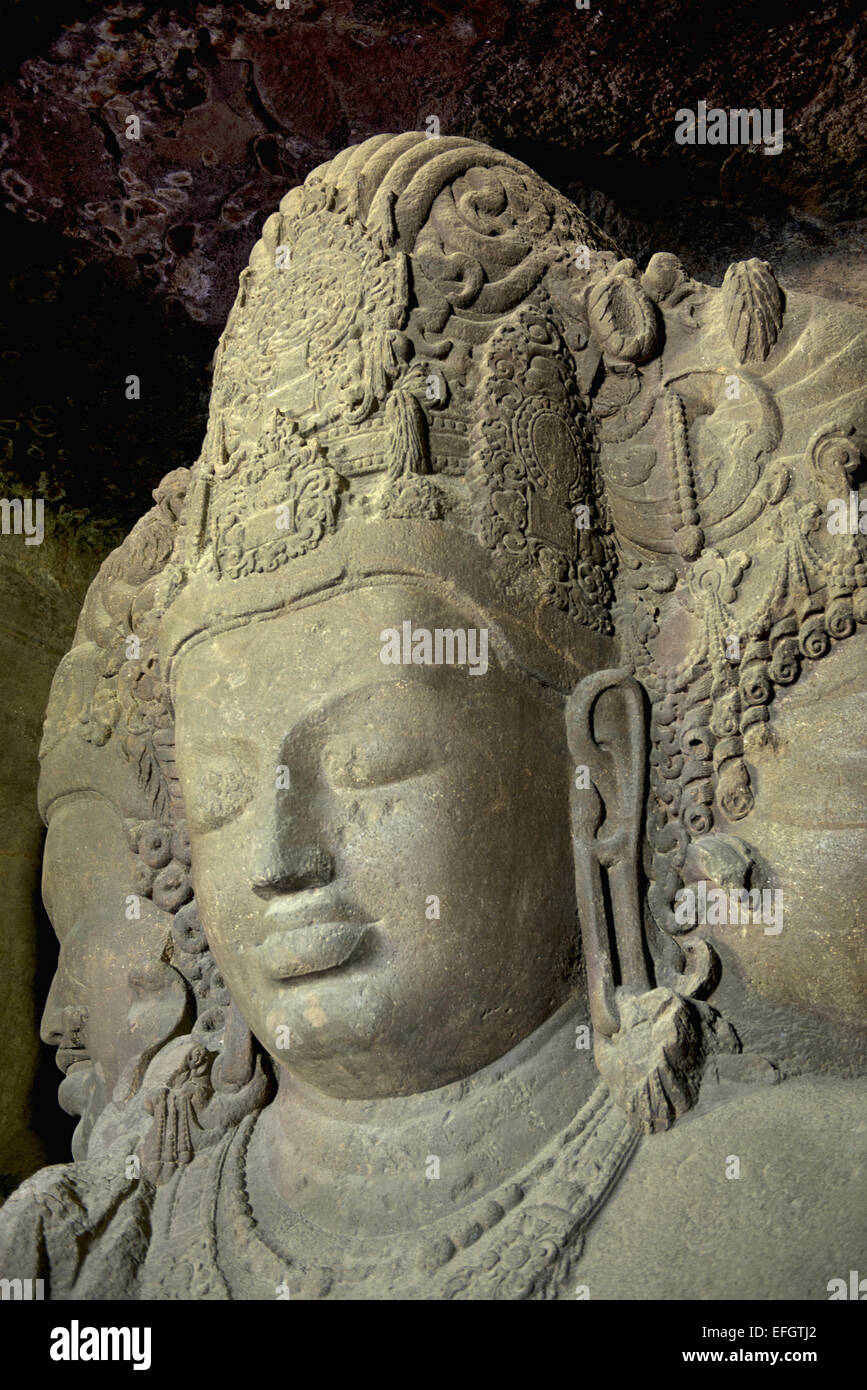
67,990
88,963
106,1024
818,960
230,927
474,843
369,817
419,833
220,876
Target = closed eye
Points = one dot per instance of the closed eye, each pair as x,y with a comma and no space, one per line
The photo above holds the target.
377,759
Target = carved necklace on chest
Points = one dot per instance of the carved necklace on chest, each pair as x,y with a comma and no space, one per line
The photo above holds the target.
521,1240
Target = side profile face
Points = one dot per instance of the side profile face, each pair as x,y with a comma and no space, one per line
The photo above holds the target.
808,831
112,997
381,852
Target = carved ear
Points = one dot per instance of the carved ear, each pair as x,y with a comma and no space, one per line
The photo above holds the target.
605,727
236,1063
650,1043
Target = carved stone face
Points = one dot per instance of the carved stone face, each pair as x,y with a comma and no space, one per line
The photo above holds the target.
809,835
112,998
381,853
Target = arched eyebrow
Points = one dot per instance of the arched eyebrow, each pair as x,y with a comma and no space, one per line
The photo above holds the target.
438,678
225,741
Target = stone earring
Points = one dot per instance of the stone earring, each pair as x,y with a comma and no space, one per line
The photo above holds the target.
650,1041
236,1064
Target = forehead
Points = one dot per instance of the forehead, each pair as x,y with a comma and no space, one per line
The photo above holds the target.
85,826
87,860
309,655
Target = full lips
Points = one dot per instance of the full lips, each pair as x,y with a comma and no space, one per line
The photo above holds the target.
68,1057
303,950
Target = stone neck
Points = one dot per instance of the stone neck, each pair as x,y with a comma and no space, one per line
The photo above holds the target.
383,1166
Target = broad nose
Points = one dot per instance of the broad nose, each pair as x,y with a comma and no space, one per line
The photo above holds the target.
290,869
51,1023
287,857
64,1016
62,1022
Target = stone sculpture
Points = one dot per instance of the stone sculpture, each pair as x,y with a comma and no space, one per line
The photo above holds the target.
729,454
738,592
114,871
476,496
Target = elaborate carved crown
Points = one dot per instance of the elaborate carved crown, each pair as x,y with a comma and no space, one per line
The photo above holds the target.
404,347
108,685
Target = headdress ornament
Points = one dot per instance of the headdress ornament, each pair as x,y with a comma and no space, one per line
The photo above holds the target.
726,457
405,348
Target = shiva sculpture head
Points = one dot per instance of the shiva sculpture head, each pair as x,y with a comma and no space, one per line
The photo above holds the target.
395,857
447,418
133,972
115,868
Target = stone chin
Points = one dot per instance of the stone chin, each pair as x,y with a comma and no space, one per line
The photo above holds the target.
82,1092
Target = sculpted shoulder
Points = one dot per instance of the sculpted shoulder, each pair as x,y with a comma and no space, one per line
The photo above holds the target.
82,1227
678,1227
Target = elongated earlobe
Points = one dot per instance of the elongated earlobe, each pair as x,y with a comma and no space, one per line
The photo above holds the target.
650,1040
605,729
